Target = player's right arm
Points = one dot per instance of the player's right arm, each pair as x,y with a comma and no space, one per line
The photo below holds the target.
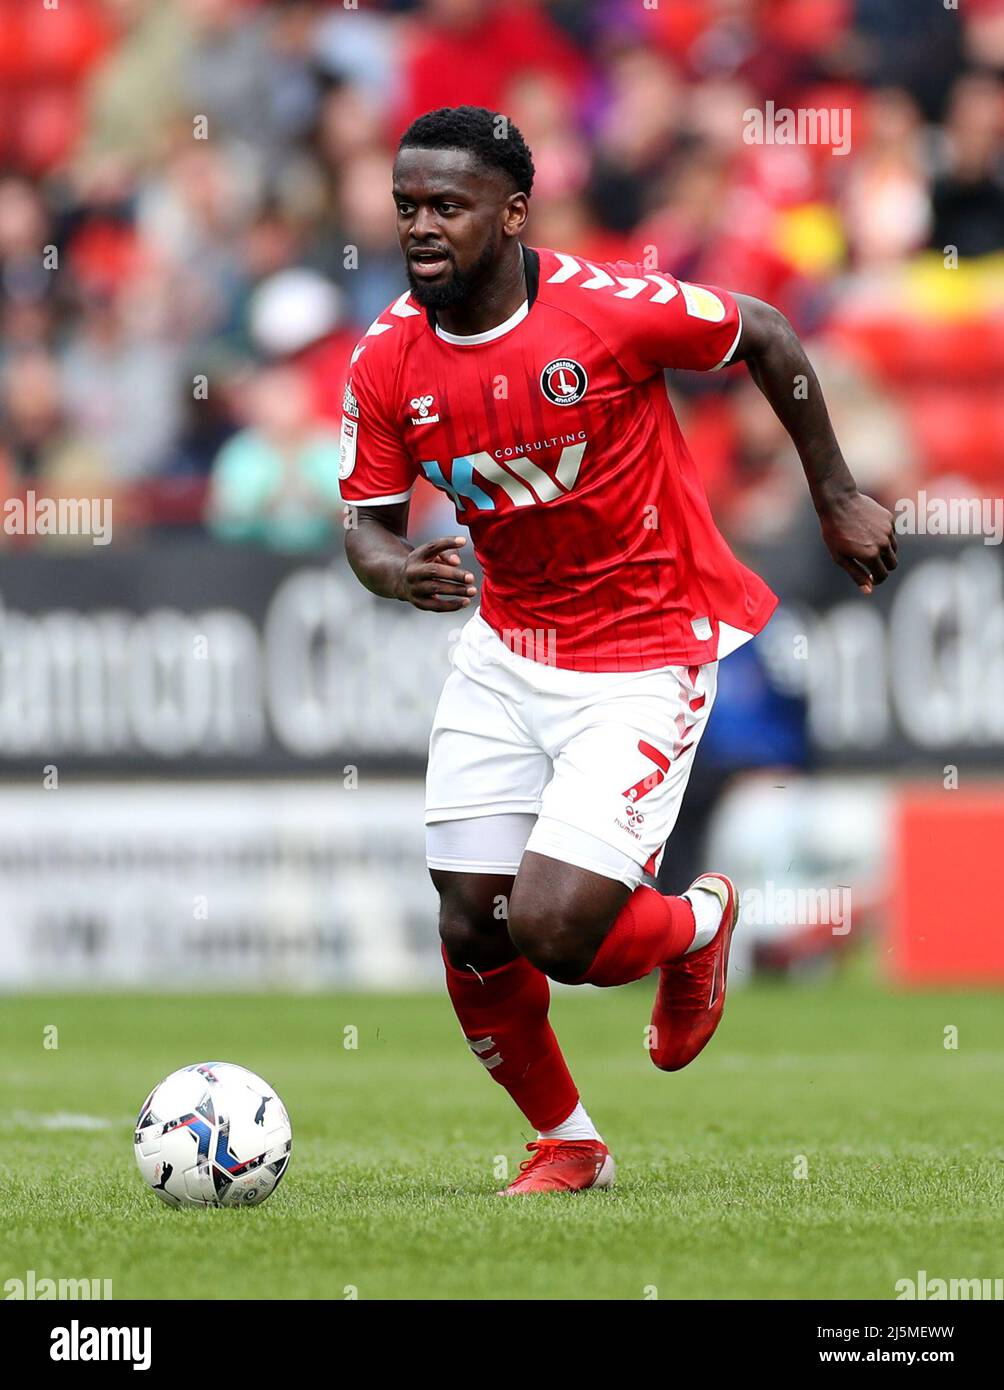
430,576
376,477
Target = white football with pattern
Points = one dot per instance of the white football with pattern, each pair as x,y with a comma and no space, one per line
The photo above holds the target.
213,1135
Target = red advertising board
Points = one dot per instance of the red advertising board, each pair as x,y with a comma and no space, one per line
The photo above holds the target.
947,904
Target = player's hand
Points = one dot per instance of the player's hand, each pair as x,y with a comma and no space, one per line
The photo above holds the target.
861,537
432,577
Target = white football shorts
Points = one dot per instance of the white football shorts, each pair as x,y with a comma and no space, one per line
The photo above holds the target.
586,768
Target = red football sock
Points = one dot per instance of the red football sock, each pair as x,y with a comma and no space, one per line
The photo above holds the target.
649,930
504,1017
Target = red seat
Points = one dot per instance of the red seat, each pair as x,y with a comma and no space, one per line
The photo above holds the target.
959,431
909,350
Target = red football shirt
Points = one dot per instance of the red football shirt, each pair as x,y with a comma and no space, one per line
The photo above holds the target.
555,439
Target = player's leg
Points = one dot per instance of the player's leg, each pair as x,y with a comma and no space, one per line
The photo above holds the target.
483,788
502,1001
580,910
574,922
565,921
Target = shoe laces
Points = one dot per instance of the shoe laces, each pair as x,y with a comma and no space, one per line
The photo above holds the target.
544,1151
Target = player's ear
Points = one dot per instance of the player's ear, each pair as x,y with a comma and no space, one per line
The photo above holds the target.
515,215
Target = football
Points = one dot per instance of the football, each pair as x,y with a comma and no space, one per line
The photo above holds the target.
213,1135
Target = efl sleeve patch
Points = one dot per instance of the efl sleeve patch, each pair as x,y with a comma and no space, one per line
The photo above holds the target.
347,446
701,303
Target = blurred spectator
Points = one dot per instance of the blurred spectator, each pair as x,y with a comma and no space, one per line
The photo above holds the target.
276,481
299,316
360,50
542,107
135,94
635,134
467,51
349,123
45,53
40,445
121,386
887,205
249,72
190,219
364,251
899,43
983,32
25,282
968,194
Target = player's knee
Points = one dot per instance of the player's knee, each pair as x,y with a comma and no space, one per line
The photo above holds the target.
557,944
472,932
458,933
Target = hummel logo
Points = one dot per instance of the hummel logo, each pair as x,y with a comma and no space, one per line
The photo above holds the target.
422,404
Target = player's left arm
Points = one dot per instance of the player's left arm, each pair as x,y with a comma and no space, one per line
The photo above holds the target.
857,531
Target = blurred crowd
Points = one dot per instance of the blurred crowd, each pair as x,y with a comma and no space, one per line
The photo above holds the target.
196,225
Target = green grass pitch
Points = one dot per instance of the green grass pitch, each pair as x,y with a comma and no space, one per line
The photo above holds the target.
390,1193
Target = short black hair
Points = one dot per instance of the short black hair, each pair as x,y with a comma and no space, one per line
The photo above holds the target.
493,139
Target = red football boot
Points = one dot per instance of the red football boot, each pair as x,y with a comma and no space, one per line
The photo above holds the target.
563,1165
691,997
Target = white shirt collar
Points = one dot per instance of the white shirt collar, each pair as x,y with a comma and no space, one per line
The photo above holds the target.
473,339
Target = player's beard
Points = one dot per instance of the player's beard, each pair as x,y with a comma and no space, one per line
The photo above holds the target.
461,285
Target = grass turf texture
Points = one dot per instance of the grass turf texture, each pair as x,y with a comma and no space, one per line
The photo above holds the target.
391,1186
